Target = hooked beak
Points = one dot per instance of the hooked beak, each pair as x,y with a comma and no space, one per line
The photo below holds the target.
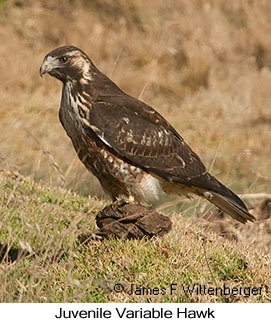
44,67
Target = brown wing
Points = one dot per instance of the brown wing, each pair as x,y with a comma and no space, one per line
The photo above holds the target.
141,136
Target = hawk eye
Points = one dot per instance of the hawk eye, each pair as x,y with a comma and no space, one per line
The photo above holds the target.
63,59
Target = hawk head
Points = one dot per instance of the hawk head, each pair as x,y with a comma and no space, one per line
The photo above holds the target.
67,63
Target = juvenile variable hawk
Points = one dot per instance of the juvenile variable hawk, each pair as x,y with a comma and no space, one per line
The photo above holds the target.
125,143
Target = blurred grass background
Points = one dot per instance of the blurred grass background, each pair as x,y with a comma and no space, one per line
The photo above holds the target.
203,64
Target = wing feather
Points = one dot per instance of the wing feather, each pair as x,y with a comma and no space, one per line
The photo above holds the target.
141,136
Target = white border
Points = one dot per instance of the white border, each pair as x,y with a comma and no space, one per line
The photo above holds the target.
46,313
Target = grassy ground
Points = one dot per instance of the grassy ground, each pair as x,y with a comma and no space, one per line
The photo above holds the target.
42,259
205,66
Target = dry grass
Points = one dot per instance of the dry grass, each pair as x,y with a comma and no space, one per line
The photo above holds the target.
193,62
203,64
42,259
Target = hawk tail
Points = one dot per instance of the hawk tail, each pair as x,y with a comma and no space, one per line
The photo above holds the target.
230,204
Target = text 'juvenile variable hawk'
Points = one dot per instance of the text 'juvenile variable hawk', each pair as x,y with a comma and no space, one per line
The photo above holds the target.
125,143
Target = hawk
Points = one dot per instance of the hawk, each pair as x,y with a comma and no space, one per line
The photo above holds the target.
125,143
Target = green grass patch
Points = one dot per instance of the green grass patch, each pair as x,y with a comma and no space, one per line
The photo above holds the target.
39,236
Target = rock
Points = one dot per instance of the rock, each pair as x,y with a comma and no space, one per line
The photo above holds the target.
128,220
